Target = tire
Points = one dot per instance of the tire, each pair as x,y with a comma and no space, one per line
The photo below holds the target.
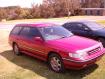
102,40
56,63
16,50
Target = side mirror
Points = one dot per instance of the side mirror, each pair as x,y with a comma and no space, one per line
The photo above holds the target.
38,39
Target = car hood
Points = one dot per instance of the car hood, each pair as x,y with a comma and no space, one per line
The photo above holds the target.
72,43
100,32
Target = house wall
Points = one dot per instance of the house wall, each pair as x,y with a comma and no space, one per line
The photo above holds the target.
96,12
92,3
93,7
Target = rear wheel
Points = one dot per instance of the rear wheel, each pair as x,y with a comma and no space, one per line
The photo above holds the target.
56,63
16,50
102,40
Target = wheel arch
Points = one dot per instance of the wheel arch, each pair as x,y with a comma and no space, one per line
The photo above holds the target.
52,52
13,43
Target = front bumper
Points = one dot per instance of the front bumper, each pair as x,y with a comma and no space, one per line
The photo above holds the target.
72,64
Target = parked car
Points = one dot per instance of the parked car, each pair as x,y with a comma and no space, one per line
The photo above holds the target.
87,29
56,45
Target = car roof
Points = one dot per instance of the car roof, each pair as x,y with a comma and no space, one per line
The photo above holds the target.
36,24
80,21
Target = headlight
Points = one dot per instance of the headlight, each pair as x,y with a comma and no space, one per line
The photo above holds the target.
79,54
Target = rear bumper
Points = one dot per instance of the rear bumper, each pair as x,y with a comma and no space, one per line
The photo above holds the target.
77,65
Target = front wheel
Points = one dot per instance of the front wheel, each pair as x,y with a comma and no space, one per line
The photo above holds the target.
56,63
102,40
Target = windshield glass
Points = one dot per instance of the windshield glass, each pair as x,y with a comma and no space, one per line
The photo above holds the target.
94,25
54,32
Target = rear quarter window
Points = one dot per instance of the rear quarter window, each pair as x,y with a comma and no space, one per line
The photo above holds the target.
66,25
16,30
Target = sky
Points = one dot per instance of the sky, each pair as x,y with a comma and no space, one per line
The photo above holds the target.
22,3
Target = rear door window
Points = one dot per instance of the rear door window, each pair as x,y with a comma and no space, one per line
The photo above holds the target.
76,26
81,26
34,32
25,31
30,32
73,26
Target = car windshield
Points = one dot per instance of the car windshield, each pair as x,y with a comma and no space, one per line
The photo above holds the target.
94,25
54,32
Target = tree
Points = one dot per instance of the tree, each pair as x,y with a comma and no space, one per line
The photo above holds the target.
47,10
64,7
35,11
3,14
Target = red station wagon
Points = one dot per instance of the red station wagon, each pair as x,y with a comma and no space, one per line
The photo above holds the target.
56,45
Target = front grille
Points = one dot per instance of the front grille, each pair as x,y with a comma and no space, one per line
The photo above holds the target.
94,51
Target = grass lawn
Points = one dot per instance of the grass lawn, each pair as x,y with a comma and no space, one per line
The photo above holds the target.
61,19
26,67
101,22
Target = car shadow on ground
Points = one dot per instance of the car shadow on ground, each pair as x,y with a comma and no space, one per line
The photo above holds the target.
41,68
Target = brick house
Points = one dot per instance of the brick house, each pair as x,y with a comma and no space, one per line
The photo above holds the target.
93,11
92,7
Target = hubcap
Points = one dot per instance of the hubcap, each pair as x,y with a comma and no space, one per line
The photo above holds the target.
16,49
55,63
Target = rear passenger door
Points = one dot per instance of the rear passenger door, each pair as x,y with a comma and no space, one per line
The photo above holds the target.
28,44
36,47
